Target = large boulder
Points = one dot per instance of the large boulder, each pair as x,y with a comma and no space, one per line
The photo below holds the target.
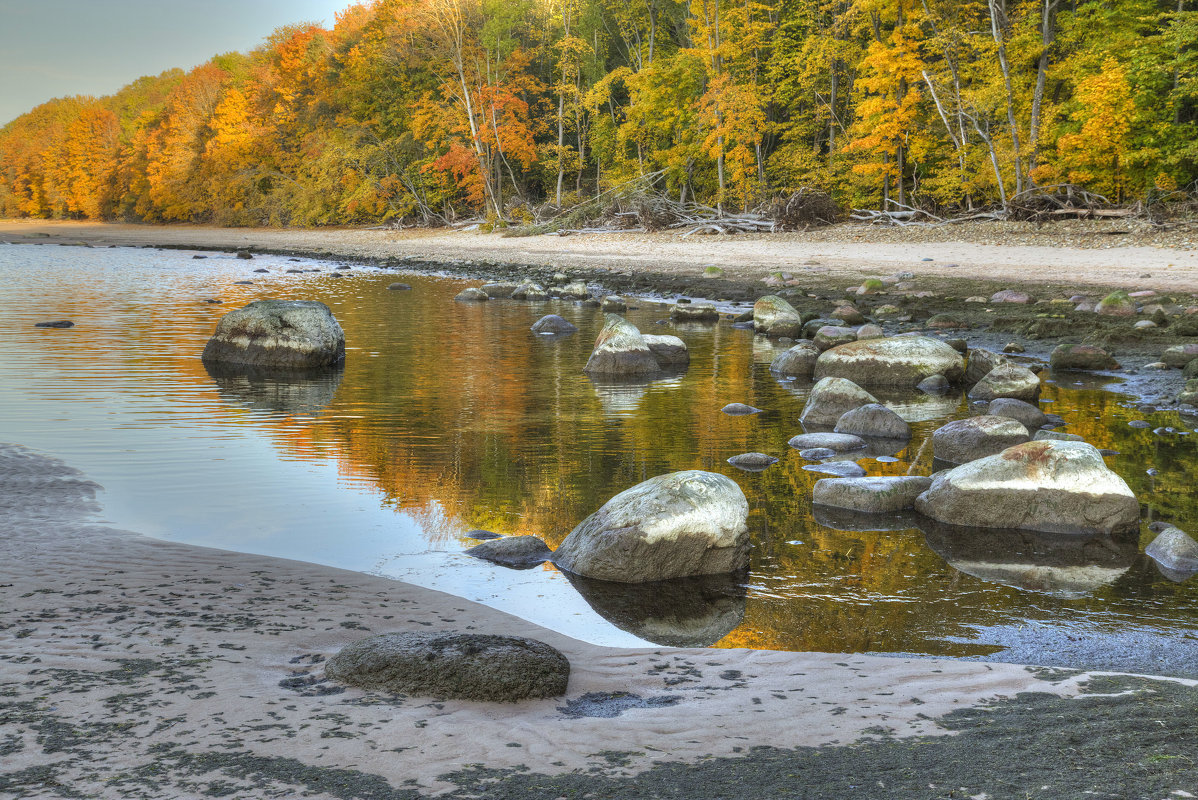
797,362
1181,355
871,495
773,316
899,361
1057,487
670,351
517,552
830,398
675,525
969,439
874,420
1026,414
284,334
466,666
1008,380
1081,357
981,362
620,350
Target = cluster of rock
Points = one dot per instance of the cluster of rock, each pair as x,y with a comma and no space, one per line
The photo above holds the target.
622,351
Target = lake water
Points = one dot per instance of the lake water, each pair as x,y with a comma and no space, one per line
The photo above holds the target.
451,417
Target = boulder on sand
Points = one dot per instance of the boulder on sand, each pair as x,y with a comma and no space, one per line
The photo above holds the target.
880,495
466,666
671,526
965,440
284,334
620,350
773,316
898,361
1057,487
830,398
1008,380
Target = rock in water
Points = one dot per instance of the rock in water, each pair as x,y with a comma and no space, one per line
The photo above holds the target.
613,304
873,420
1026,414
472,295
965,440
981,362
739,410
675,525
936,384
621,351
1057,487
1174,550
752,462
830,398
58,323
797,362
670,351
845,469
1056,436
871,495
830,336
1009,380
833,442
697,312
1081,357
899,361
517,552
497,291
465,666
287,334
552,323
773,316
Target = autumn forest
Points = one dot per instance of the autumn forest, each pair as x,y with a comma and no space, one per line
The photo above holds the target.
433,110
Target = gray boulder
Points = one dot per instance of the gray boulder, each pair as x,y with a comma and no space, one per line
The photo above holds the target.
500,291
517,552
849,314
613,304
739,410
830,398
285,334
752,462
898,361
397,287
670,351
1056,436
1180,355
529,291
936,384
797,362
1026,414
472,295
575,291
773,316
1057,487
620,350
694,312
873,420
465,666
830,336
1174,550
833,442
552,323
870,331
1008,380
966,440
1081,357
981,362
675,525
871,495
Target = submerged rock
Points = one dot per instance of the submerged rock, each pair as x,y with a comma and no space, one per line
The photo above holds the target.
291,334
898,361
1008,380
552,323
936,384
58,323
752,462
467,666
844,469
871,495
739,410
1061,487
773,316
830,398
517,552
671,526
966,440
620,350
500,291
1081,357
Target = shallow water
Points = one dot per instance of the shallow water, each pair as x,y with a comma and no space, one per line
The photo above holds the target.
450,417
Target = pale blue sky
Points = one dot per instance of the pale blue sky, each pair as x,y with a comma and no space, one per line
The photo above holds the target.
56,48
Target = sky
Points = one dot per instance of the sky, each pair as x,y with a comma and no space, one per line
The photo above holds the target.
57,48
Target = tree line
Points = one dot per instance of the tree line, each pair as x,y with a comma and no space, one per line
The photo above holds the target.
432,110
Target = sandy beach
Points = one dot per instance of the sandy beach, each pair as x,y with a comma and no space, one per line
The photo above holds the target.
132,667
1080,254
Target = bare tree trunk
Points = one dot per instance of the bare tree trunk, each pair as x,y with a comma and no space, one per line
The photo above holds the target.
1047,34
561,144
995,10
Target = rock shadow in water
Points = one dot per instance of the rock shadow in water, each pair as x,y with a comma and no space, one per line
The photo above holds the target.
277,391
1062,565
844,519
684,612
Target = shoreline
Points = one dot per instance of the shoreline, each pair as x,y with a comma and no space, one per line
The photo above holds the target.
137,667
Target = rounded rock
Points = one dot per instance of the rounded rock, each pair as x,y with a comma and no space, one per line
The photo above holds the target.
1081,357
965,440
833,442
881,495
620,350
552,323
1009,380
797,362
830,398
897,361
283,334
773,316
874,420
517,552
472,295
670,351
1026,414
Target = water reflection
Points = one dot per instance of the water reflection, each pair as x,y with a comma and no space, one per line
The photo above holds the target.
1057,564
686,612
277,391
620,397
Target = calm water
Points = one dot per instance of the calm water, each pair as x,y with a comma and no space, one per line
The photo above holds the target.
451,417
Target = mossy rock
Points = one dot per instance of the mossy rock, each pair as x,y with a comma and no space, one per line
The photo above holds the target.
713,272
1116,304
